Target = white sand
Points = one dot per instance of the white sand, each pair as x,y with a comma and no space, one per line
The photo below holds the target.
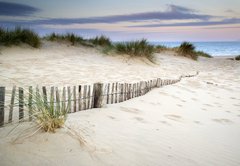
194,122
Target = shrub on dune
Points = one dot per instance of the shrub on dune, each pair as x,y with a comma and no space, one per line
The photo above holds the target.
187,49
139,48
18,36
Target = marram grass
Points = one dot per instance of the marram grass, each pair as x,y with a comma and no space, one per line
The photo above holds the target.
139,48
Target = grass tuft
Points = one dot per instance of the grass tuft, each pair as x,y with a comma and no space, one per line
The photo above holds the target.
49,115
70,37
187,49
139,48
18,36
101,41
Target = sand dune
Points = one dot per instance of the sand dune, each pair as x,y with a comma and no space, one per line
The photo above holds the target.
193,122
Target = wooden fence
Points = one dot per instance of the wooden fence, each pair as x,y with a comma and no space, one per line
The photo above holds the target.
20,104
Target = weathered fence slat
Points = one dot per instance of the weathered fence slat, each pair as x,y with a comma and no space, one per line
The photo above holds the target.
30,102
69,99
122,92
108,89
12,104
84,97
21,103
44,95
112,92
2,103
74,99
79,98
116,93
52,99
89,97
64,99
57,99
125,91
93,93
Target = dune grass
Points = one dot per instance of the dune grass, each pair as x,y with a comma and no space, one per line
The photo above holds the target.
187,49
203,54
69,37
139,48
48,115
18,36
237,58
101,41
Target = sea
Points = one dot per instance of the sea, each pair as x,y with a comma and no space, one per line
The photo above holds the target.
212,48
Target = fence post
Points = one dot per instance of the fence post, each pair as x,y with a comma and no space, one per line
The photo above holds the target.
2,101
98,95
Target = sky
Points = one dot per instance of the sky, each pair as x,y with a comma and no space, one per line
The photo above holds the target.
155,20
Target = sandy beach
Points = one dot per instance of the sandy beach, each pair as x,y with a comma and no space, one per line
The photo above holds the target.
193,122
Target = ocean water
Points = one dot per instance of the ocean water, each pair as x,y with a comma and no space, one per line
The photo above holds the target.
212,48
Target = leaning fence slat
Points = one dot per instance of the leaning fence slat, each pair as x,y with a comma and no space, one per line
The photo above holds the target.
2,103
12,104
30,102
21,102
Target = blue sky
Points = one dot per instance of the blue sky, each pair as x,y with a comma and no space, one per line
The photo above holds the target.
165,20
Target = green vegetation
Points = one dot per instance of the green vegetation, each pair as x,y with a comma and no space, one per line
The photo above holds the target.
203,54
160,48
139,48
187,49
18,36
70,37
101,41
49,115
237,58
